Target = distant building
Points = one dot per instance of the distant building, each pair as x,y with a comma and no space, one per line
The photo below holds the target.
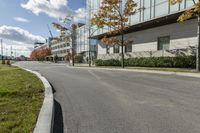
38,44
60,47
22,58
44,45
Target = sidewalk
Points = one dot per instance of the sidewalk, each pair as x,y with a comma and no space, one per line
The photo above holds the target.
143,70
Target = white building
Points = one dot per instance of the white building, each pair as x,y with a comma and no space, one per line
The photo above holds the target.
154,30
61,47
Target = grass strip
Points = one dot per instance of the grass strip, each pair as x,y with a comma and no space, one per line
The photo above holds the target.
21,97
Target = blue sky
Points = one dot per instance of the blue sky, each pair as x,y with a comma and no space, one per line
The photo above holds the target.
32,17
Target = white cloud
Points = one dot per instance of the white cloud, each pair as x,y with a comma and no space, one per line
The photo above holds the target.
21,40
19,35
17,48
20,19
80,15
53,8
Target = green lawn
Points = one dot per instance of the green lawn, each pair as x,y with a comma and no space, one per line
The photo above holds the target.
21,97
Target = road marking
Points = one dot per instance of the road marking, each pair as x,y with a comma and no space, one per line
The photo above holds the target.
95,75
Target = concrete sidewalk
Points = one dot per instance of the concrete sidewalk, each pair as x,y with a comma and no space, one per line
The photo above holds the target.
187,74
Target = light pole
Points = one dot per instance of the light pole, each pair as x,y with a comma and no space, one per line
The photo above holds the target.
89,25
6,53
70,20
2,49
198,45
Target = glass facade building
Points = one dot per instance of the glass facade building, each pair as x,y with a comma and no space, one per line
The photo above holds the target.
153,29
82,43
146,10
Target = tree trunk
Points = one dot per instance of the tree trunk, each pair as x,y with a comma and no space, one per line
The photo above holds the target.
122,48
90,61
198,46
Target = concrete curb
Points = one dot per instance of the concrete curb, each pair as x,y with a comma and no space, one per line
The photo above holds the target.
194,75
46,116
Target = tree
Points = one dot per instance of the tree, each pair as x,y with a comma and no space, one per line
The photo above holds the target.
40,54
72,32
194,11
115,15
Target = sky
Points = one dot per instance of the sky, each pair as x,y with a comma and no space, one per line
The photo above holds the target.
23,22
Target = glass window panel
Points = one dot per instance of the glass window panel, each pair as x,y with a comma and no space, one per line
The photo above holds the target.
174,8
107,49
116,49
189,3
135,18
182,5
128,48
152,8
163,43
161,7
147,8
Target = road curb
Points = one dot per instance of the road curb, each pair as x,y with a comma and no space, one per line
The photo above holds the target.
46,116
194,75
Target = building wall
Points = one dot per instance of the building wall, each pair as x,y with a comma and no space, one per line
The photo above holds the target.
182,35
82,41
61,48
146,10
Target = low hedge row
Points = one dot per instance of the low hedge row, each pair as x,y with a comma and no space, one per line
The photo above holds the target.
173,62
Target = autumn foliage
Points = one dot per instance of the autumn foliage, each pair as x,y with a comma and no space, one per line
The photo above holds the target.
115,14
77,58
69,56
40,54
188,13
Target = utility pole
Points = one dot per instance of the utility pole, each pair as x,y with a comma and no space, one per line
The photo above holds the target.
6,53
198,46
89,26
2,49
122,34
73,42
15,54
11,52
72,30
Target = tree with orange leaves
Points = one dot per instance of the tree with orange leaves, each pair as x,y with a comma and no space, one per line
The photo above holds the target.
40,54
115,15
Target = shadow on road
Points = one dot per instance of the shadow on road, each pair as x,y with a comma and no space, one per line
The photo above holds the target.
58,118
52,88
58,126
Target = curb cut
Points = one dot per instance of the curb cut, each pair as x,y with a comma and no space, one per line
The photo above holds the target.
194,75
46,115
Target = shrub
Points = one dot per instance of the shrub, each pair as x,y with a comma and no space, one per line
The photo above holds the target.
111,62
176,62
78,59
8,62
3,62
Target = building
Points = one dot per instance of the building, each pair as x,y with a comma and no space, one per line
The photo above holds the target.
60,47
38,44
82,44
154,30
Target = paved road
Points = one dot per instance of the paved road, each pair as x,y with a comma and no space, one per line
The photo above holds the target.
99,101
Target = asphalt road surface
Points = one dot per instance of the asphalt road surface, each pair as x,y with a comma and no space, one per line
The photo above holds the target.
103,101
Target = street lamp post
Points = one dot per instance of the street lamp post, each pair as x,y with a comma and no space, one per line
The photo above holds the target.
73,43
2,49
72,29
